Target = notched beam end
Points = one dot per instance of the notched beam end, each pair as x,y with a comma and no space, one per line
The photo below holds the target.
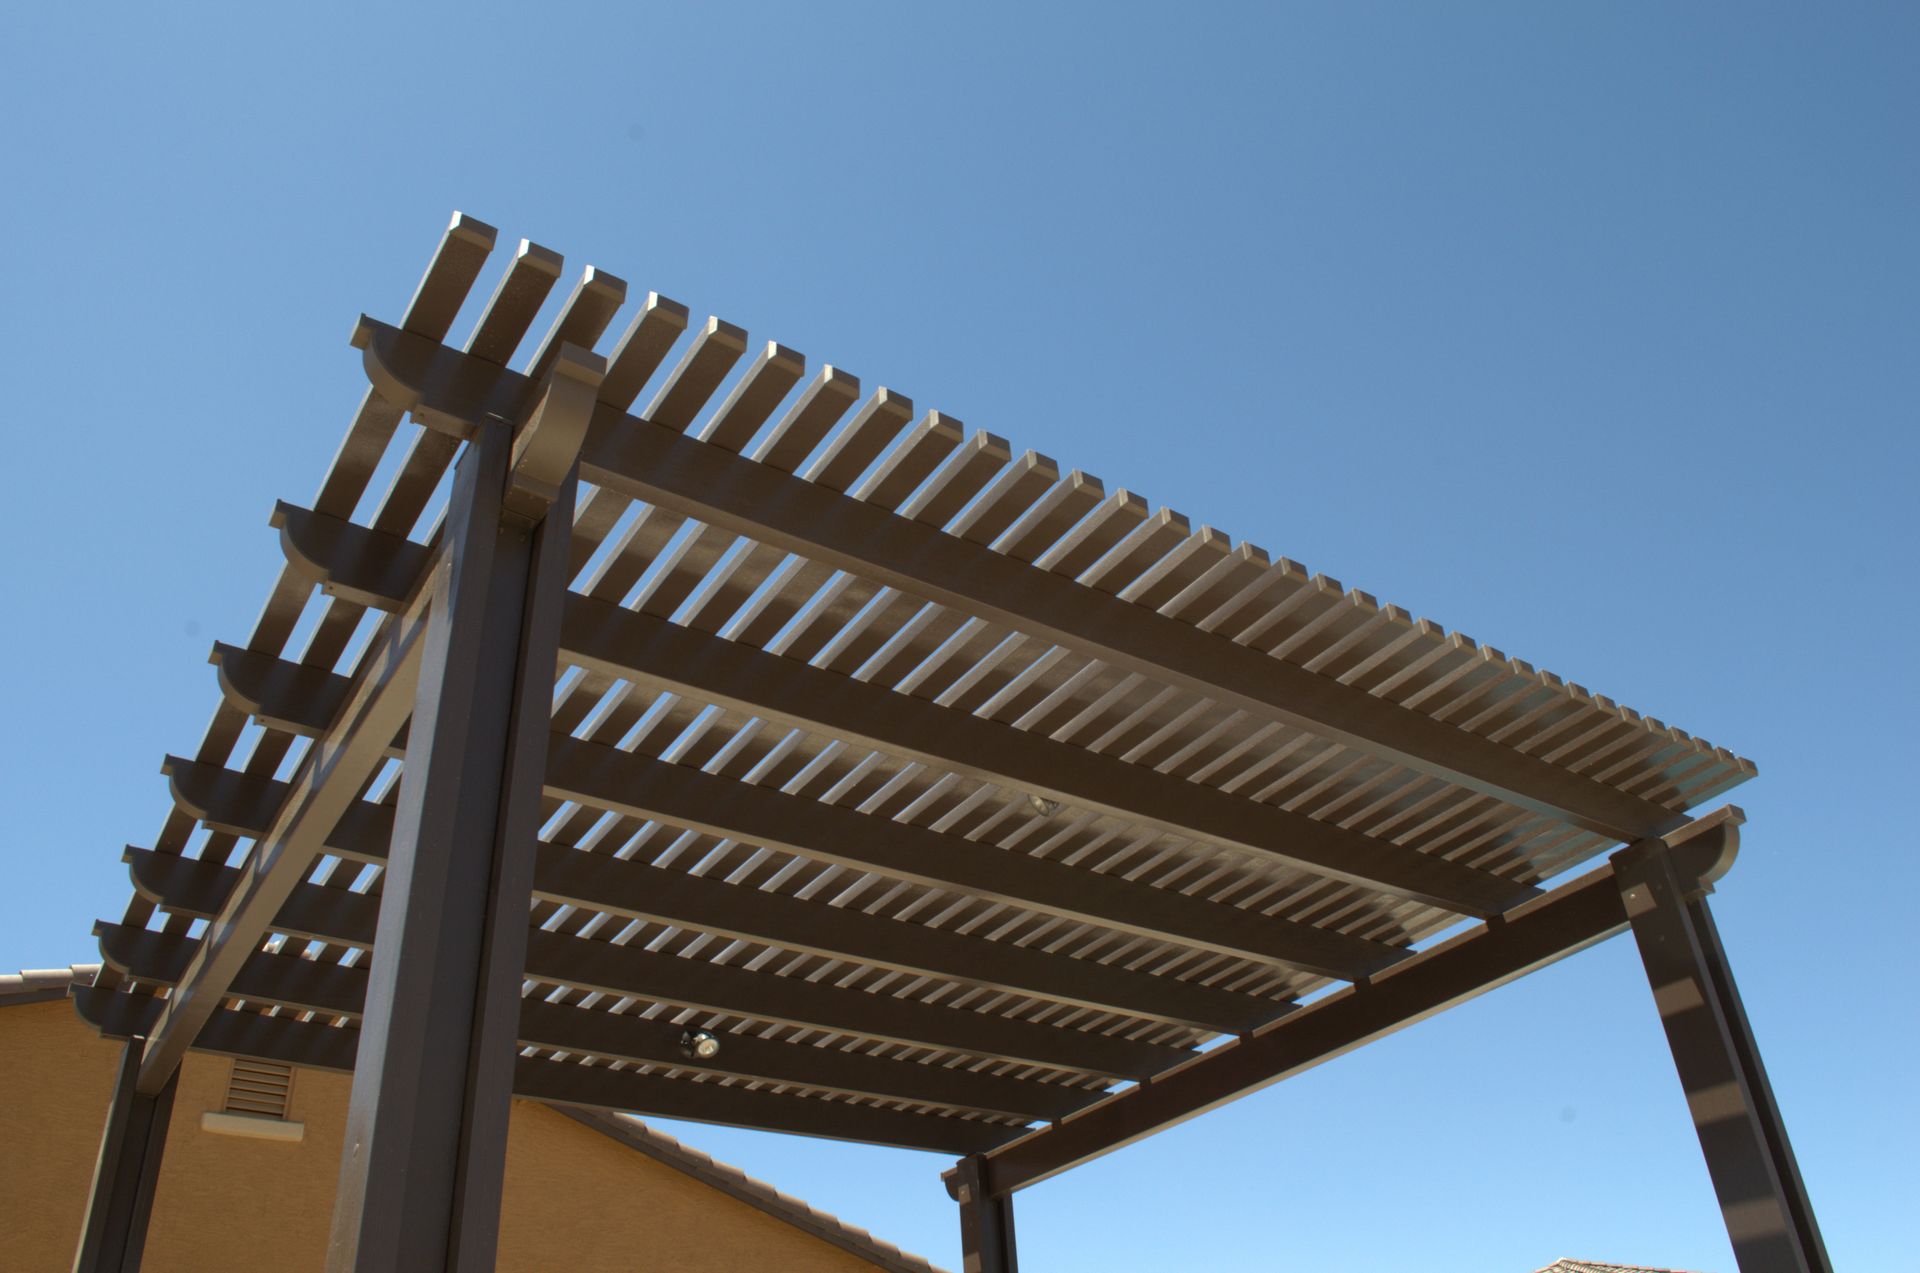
445,391
1702,851
352,562
280,695
547,446
226,800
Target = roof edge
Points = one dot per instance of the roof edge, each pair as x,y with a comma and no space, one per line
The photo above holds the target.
736,1183
41,985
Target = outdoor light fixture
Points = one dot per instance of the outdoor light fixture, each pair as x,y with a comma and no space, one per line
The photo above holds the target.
1044,807
701,1045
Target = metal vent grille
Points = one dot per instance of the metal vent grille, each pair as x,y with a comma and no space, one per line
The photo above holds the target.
260,1088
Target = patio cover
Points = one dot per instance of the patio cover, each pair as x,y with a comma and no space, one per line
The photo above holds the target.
968,804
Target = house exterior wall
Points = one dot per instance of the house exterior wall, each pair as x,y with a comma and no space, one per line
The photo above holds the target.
574,1199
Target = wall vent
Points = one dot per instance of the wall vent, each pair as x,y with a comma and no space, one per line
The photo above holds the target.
261,1088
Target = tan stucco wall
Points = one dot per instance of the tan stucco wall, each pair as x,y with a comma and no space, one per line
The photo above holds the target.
575,1200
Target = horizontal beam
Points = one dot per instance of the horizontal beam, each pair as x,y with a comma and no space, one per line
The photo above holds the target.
310,985
639,647
326,913
634,457
651,651
1560,923
599,881
641,786
318,912
644,787
596,1087
229,1032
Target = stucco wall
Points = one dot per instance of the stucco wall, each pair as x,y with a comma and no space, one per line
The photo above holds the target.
575,1200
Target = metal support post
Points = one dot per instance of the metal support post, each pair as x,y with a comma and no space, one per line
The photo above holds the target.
987,1243
426,1135
127,1172
1762,1196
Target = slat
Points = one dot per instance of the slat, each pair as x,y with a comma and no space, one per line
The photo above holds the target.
700,371
857,445
510,311
1010,497
641,349
829,396
776,370
450,276
583,317
912,461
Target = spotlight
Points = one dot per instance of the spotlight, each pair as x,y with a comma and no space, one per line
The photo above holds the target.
1044,807
700,1045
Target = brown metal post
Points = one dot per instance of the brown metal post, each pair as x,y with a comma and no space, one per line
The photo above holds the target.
987,1242
426,1135
124,1177
1762,1196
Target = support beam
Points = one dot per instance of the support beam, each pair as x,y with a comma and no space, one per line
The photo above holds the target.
987,1243
426,1130
113,1234
1549,928
1768,1214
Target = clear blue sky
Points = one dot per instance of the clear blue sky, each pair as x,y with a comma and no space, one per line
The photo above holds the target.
1589,330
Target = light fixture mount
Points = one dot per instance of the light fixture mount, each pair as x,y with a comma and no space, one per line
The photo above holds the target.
700,1045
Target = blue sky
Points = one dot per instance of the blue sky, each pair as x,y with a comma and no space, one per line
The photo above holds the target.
1586,330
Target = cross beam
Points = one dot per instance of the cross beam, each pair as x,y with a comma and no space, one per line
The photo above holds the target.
323,912
647,650
311,1045
638,785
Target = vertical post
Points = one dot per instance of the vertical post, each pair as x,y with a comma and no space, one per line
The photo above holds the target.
987,1242
426,1135
128,1170
1762,1197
